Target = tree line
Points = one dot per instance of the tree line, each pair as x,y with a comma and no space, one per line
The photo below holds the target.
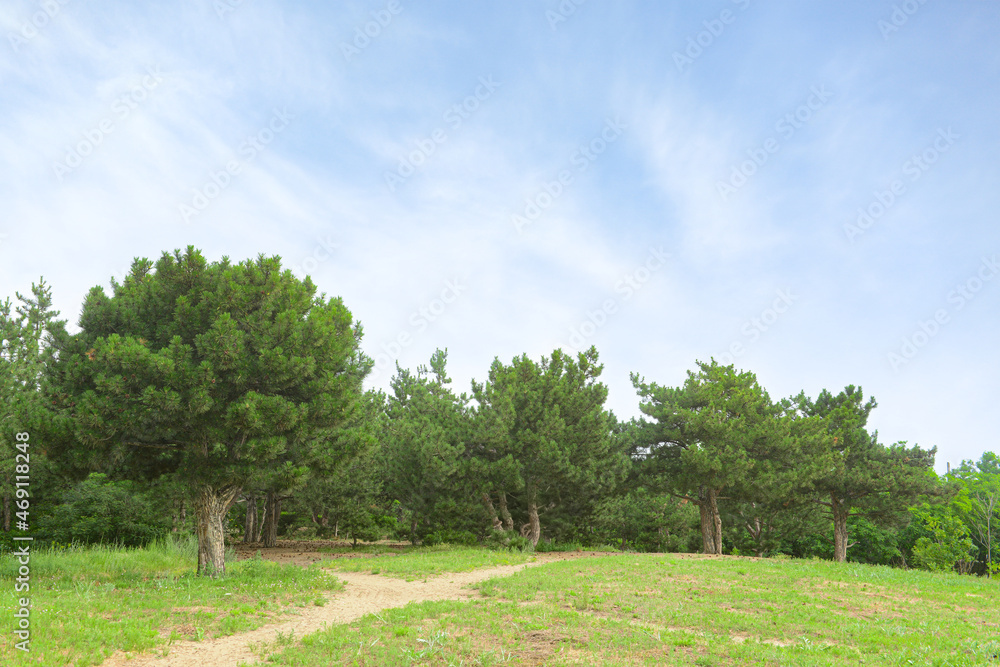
220,397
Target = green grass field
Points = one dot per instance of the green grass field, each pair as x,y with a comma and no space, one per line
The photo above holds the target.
622,609
80,597
422,563
671,610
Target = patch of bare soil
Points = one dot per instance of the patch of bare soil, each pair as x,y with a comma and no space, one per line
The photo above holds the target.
306,553
363,594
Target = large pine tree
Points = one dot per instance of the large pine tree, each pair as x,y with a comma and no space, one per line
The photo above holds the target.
550,436
210,371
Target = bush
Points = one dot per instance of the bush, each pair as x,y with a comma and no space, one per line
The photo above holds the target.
99,511
643,521
510,541
950,546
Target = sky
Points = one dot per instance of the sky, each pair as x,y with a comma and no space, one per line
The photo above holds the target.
806,190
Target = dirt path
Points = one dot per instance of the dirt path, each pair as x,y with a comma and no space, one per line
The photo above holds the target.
362,594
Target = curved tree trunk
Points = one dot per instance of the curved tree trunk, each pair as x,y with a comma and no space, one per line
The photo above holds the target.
508,520
211,508
534,525
493,513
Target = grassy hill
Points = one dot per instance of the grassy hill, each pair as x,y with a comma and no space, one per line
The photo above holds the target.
614,609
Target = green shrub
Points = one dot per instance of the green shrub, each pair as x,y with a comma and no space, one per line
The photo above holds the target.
510,541
950,546
99,511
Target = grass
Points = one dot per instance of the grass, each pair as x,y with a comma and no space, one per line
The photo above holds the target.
411,564
671,610
88,603
618,609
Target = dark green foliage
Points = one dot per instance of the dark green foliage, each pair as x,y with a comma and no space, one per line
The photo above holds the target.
218,373
423,445
545,437
348,500
100,511
873,543
27,331
450,536
643,521
862,477
720,437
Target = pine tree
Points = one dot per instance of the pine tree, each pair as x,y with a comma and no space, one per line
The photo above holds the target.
551,436
721,433
863,477
26,336
208,371
424,441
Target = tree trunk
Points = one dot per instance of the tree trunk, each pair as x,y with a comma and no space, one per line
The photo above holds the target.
989,542
211,513
271,524
716,520
840,514
492,510
508,520
535,526
759,530
707,534
250,525
261,520
711,522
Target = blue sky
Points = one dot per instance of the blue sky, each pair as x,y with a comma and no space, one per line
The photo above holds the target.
807,190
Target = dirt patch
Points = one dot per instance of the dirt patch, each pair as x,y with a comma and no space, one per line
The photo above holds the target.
306,553
363,594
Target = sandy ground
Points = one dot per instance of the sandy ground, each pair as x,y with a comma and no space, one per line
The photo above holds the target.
362,594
